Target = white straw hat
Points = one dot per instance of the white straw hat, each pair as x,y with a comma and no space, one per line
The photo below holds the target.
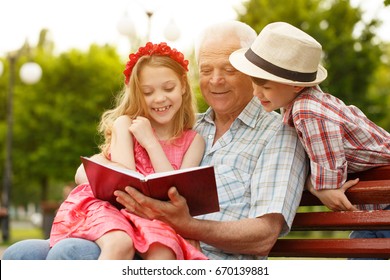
282,53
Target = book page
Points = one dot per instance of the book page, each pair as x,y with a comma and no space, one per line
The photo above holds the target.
172,172
122,170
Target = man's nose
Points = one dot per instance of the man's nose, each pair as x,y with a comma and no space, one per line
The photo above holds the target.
217,78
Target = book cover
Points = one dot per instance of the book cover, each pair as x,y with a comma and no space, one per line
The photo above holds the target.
196,184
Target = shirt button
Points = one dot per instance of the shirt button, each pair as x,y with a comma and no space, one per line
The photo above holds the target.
210,136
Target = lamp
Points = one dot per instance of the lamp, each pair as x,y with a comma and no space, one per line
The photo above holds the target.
172,31
126,27
30,73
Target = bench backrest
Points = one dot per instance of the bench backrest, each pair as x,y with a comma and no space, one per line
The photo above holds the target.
373,188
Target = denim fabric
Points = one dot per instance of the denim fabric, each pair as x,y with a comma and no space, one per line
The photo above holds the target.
32,249
67,249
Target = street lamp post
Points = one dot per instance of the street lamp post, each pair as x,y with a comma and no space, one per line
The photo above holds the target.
126,27
30,73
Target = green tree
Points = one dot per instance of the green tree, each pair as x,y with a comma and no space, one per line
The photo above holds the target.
378,91
351,50
55,121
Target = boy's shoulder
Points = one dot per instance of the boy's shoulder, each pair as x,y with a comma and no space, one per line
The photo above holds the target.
308,98
314,97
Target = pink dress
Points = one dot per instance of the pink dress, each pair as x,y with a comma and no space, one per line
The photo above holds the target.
81,215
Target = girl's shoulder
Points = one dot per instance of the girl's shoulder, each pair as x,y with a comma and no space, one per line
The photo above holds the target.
189,134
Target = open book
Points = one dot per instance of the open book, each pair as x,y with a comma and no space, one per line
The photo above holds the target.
196,184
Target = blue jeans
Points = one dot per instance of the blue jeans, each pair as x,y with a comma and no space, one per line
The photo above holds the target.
66,249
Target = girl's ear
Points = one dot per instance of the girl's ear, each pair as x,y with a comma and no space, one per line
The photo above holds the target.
183,84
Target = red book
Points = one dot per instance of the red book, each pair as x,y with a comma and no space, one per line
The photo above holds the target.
196,184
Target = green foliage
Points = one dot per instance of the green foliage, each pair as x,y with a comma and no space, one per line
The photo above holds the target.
55,120
194,80
352,51
378,92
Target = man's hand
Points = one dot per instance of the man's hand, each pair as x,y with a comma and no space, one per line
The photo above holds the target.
335,199
174,212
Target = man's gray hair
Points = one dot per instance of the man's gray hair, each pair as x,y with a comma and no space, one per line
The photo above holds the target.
242,31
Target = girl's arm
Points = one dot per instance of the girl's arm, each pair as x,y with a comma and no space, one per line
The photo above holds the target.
194,154
121,146
81,176
143,132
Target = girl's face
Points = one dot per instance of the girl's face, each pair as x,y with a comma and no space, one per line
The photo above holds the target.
273,95
163,92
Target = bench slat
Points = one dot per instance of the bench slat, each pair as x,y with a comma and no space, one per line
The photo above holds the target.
365,192
378,173
332,248
355,220
373,188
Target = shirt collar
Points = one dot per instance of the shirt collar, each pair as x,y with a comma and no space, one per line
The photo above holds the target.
286,113
248,116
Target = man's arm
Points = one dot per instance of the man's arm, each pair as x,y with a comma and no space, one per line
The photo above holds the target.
248,236
254,236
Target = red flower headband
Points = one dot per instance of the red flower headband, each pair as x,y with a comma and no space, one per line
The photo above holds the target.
161,49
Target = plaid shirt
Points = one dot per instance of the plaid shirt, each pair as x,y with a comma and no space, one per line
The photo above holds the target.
260,168
337,138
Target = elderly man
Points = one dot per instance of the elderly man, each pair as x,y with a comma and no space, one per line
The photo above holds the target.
259,163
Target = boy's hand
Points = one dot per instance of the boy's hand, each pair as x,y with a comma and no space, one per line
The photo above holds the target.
335,200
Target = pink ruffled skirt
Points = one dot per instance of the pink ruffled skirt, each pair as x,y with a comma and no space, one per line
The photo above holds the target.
81,215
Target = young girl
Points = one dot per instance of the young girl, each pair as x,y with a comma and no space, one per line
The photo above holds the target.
150,130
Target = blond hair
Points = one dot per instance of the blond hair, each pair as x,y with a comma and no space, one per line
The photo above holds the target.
131,100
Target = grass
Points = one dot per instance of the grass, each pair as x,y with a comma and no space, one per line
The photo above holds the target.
18,234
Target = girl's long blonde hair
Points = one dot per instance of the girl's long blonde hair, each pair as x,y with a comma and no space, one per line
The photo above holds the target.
131,101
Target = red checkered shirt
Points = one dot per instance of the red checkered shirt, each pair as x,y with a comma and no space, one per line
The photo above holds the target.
338,139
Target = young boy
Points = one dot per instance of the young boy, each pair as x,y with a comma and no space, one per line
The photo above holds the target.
284,63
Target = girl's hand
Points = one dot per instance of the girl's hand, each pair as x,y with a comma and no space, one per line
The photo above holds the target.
335,199
142,130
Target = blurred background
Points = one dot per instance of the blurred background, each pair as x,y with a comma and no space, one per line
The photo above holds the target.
61,66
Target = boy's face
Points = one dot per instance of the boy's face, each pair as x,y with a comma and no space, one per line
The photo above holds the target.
273,95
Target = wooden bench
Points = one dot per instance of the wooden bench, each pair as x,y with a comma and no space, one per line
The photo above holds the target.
373,188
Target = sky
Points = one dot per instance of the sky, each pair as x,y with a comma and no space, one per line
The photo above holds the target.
78,23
